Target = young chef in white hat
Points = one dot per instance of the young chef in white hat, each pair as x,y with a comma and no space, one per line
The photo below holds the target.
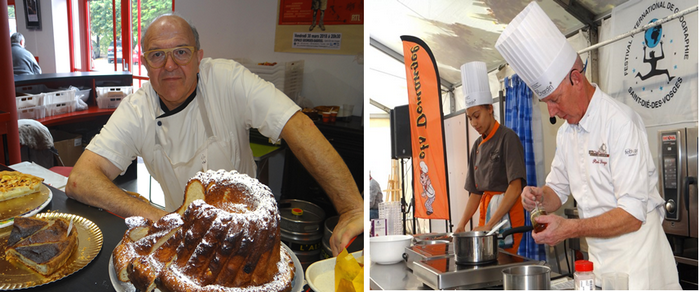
496,163
602,158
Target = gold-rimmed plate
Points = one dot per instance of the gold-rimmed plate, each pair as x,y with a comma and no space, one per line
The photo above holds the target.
14,275
24,206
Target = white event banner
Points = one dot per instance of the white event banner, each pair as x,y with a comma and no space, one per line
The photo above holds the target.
655,71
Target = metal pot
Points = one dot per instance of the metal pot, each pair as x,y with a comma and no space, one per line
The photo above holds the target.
476,247
528,277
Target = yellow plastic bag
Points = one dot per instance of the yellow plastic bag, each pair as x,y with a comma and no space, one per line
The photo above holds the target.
359,280
349,274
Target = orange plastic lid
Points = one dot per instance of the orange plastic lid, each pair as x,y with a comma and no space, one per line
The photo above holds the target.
297,211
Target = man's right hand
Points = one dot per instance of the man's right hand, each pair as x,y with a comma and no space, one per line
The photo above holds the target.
530,196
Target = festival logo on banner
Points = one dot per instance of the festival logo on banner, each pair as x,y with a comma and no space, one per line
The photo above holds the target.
658,63
428,147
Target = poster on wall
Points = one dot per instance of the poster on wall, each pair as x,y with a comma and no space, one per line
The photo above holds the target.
32,14
430,184
320,26
655,71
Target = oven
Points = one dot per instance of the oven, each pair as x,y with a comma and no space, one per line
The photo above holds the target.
678,173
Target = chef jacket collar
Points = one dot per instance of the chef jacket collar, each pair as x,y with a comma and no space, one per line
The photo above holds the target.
587,123
490,134
168,112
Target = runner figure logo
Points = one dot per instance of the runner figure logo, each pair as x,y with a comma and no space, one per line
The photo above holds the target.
428,191
652,37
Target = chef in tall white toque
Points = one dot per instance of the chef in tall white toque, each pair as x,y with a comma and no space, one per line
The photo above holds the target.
602,158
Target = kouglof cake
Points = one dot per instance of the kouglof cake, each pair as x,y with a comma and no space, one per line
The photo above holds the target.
225,237
42,245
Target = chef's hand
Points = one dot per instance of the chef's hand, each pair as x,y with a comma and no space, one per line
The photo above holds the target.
459,229
554,233
349,225
530,196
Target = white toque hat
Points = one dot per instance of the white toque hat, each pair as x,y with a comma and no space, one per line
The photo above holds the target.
535,48
475,84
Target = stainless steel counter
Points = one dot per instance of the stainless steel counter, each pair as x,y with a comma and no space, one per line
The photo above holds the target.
393,277
398,277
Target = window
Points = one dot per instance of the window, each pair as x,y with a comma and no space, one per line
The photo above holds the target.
102,32
101,20
142,13
12,20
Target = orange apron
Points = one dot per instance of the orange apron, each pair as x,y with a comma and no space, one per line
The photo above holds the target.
516,217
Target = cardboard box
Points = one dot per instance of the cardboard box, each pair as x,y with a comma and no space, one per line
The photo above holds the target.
69,146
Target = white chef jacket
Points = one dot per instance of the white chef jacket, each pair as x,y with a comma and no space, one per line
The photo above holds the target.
235,100
605,163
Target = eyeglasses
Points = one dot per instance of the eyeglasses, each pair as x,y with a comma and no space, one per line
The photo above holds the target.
181,55
582,70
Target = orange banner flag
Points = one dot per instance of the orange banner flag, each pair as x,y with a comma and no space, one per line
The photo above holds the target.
425,109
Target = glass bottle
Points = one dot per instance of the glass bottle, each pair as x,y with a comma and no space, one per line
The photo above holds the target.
584,279
536,212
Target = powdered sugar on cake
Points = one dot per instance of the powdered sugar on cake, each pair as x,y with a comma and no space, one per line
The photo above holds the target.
226,234
280,282
264,202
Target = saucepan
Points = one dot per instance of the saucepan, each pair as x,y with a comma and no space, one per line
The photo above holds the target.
476,247
527,277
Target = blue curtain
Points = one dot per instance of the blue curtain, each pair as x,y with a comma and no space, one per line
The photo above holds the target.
518,111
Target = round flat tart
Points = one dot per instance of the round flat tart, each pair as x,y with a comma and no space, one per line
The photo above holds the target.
16,276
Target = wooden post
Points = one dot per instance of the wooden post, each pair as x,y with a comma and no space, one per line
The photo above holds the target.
393,190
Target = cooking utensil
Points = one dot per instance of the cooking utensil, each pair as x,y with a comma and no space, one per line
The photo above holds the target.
528,277
418,238
350,242
386,250
495,228
429,242
476,247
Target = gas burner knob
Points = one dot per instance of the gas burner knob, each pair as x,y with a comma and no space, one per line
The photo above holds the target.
671,206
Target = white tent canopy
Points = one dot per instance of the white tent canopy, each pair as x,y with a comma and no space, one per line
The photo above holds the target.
457,32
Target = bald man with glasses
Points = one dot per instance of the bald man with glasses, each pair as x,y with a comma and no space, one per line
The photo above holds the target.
194,115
